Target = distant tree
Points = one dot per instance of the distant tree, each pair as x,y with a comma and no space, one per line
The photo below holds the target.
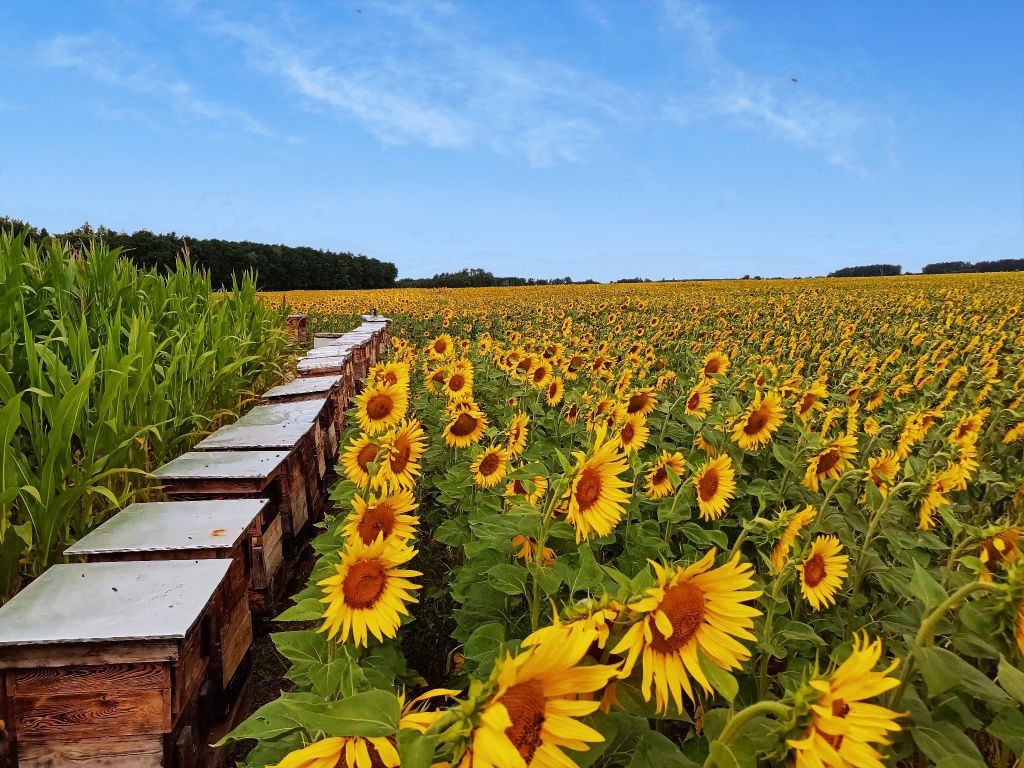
947,268
869,270
951,267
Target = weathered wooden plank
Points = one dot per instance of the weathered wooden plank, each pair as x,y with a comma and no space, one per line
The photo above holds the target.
121,752
300,389
89,679
92,715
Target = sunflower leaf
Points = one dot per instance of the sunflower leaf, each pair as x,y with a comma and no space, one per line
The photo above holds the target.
721,680
372,713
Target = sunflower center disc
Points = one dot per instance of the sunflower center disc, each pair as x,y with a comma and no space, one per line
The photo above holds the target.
463,425
627,433
708,485
376,520
379,406
364,583
693,402
827,461
756,422
660,476
588,489
814,570
636,403
525,705
489,464
683,604
366,455
399,456
456,382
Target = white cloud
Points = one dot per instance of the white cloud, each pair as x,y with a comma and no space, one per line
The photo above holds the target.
790,111
108,61
419,74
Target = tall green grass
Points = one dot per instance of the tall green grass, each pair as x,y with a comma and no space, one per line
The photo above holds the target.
107,371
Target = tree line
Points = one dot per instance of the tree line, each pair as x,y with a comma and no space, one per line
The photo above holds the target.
278,267
477,278
951,267
869,270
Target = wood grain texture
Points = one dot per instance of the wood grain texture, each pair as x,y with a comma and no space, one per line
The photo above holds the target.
92,715
90,679
121,752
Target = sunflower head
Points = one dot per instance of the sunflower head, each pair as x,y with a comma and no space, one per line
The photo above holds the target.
369,591
387,516
822,572
381,406
594,502
466,426
757,425
715,483
490,467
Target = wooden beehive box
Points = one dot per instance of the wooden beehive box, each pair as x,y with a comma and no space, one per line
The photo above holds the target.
296,326
192,530
340,363
316,411
246,475
298,439
331,387
107,663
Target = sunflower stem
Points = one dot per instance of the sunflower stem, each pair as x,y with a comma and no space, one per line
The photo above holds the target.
926,633
869,536
769,616
736,722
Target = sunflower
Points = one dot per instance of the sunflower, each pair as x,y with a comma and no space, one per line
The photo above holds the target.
642,402
811,400
389,373
693,611
518,431
659,480
368,592
385,515
715,482
403,448
795,521
490,467
352,751
526,550
934,495
518,488
844,727
442,346
633,433
555,391
759,422
541,375
714,364
998,550
823,571
967,429
459,383
466,427
594,501
700,399
594,618
882,470
1014,434
358,457
830,462
531,716
381,407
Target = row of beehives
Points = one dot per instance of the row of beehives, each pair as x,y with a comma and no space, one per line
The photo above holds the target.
138,654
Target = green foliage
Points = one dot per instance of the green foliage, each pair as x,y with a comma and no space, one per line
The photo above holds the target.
107,372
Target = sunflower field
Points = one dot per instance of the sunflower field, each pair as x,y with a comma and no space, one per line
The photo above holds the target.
694,524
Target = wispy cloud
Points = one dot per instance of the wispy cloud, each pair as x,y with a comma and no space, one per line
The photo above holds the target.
420,74
90,55
786,109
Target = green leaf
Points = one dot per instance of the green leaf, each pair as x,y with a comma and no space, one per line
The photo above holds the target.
942,670
373,713
307,609
942,740
1008,727
301,646
271,720
485,641
720,679
926,588
1011,679
508,578
416,750
732,755
657,749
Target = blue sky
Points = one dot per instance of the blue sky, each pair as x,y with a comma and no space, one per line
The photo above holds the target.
594,139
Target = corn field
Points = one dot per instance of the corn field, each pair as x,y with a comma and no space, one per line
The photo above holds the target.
107,371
